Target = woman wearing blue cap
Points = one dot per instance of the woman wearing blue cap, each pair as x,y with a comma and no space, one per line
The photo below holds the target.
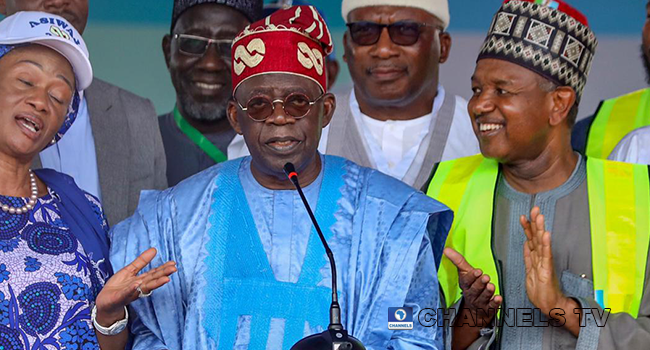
54,286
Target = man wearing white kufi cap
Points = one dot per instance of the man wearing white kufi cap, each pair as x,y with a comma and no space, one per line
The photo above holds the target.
398,118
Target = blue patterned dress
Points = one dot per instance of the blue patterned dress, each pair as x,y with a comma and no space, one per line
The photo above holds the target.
47,282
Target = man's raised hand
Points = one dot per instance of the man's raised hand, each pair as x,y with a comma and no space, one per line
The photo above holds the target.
542,285
478,291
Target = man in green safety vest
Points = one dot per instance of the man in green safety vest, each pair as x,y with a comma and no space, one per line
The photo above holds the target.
632,111
598,135
583,286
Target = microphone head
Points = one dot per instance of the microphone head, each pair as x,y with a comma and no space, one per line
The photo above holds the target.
329,340
290,170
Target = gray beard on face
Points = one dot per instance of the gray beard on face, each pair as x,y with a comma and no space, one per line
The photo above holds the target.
204,112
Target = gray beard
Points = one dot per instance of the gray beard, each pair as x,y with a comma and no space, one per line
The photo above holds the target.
204,112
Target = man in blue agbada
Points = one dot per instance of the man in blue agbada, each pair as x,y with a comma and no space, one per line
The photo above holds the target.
252,273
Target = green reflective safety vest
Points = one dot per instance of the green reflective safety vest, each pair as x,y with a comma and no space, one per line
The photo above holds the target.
619,212
616,118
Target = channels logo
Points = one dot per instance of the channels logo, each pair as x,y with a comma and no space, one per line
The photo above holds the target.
400,318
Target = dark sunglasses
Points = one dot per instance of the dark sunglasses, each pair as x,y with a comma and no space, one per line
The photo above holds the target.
403,33
297,105
194,45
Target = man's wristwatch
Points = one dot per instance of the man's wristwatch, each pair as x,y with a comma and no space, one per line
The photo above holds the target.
115,329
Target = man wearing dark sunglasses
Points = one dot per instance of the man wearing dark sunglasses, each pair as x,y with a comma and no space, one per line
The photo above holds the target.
397,118
196,134
252,271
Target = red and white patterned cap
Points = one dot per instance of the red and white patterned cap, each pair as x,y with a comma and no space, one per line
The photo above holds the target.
291,41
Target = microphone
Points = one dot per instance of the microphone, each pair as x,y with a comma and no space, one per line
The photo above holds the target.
335,337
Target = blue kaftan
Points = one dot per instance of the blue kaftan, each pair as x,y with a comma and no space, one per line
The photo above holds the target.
253,274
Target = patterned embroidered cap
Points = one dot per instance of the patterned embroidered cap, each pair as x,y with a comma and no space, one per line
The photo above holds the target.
275,5
294,41
548,37
252,9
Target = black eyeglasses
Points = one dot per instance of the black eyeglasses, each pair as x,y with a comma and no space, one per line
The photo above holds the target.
194,45
297,105
403,33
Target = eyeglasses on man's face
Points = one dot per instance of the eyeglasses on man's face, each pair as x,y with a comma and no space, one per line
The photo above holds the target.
194,45
404,33
296,105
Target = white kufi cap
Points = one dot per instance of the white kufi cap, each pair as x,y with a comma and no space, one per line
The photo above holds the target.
438,8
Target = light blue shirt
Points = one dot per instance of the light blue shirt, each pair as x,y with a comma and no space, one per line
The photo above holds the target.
75,154
281,221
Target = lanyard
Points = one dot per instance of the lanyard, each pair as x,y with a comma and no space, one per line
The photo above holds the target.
208,147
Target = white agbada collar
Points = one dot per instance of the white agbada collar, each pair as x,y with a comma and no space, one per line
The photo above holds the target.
394,144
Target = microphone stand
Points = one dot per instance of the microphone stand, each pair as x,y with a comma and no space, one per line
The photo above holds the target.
335,337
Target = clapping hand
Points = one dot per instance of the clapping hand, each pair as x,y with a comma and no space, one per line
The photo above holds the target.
126,285
478,292
542,284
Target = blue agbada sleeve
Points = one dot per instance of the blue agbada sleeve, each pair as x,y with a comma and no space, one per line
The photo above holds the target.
174,222
129,239
398,239
423,291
